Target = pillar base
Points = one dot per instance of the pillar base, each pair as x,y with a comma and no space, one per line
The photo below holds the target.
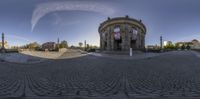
3,50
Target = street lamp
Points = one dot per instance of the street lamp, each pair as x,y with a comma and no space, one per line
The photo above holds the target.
58,43
161,43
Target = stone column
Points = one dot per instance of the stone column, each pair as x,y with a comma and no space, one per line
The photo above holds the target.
127,38
101,42
143,43
109,39
122,32
112,39
138,42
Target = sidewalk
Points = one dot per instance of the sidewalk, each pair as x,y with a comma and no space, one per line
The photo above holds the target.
20,58
134,56
196,53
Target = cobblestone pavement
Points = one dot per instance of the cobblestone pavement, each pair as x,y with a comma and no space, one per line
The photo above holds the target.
175,74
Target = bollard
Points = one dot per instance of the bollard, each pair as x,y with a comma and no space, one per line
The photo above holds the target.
131,52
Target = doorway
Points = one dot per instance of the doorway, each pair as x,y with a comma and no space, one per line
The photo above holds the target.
118,45
133,44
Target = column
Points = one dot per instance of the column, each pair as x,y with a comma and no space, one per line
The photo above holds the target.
101,42
108,39
143,41
138,41
127,38
112,39
124,37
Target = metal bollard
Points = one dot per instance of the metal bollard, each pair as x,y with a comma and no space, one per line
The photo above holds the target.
131,52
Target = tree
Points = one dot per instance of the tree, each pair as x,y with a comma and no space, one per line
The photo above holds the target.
183,47
80,44
169,46
188,47
87,46
177,46
33,45
64,44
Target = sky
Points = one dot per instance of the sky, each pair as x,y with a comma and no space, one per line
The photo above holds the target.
25,21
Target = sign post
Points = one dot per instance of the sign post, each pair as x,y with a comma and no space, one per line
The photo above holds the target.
131,52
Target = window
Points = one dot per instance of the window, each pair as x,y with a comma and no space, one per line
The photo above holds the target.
117,35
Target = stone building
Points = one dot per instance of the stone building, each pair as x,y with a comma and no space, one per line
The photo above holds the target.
49,45
194,44
121,34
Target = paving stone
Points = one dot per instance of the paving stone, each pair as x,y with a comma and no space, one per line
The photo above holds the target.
175,74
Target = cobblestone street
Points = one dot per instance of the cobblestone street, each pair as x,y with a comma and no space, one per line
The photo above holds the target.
175,74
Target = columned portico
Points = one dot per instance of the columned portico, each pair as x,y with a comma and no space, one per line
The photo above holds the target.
121,34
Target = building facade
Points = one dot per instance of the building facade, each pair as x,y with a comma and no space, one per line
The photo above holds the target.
194,44
49,45
121,34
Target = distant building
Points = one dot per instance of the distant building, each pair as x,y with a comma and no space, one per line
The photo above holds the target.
49,45
194,44
153,47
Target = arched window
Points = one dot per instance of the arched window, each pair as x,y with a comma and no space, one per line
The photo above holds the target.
133,33
104,36
117,35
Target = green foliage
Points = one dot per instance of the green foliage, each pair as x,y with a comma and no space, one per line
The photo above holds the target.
177,46
63,44
188,47
170,46
33,46
183,47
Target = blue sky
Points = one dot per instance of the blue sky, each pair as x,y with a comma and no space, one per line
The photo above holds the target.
25,21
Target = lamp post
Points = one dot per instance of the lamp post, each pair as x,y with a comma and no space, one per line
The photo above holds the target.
161,43
85,45
58,41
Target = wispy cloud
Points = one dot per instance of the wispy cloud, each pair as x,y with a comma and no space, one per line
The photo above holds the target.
45,8
59,20
15,37
14,40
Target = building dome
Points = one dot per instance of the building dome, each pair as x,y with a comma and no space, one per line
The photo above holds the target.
122,33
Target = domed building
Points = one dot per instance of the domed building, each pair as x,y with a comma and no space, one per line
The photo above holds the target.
121,34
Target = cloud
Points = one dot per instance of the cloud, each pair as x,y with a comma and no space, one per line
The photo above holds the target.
14,40
15,37
58,21
45,8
